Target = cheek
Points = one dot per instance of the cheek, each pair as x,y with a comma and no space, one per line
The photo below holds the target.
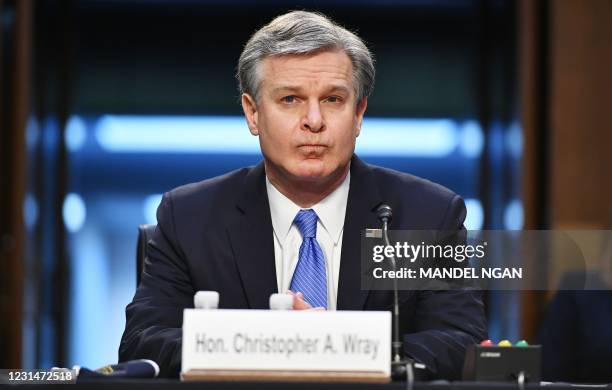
347,134
348,146
276,134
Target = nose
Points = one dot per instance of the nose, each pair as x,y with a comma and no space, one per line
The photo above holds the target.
313,118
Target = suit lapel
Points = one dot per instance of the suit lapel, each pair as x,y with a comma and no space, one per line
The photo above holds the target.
252,241
253,246
363,199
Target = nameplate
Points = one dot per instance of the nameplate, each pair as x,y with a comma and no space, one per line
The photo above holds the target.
347,343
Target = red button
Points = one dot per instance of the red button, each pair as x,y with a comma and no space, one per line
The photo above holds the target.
487,343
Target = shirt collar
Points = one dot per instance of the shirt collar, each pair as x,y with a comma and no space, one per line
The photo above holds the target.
330,210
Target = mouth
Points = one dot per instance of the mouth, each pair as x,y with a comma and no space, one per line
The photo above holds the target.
312,150
314,146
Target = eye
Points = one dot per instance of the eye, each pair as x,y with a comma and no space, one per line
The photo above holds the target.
333,99
288,99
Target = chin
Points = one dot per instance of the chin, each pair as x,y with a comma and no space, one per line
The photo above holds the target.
312,171
311,175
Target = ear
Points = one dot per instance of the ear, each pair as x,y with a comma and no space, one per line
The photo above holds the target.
249,107
359,111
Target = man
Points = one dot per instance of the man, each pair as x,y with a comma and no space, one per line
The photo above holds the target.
293,222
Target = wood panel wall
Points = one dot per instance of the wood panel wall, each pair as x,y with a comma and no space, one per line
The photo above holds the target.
13,118
581,113
565,72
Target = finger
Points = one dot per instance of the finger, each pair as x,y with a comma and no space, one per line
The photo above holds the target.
300,304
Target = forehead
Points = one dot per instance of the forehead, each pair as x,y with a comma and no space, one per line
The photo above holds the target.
320,69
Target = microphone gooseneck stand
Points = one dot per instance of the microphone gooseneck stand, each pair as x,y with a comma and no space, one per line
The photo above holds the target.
401,368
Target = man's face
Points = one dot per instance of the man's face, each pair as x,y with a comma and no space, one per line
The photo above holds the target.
306,117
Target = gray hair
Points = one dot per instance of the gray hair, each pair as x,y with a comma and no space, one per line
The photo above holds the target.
302,32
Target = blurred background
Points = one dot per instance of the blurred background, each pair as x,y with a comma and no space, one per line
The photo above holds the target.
105,105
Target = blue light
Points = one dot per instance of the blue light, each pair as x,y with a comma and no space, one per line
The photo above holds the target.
93,301
472,139
475,215
175,134
149,208
514,140
32,132
30,211
75,134
407,137
74,212
229,135
513,215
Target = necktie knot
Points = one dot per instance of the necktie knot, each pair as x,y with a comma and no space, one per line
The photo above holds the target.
306,222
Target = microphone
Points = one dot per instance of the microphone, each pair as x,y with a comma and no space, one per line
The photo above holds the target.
384,214
401,369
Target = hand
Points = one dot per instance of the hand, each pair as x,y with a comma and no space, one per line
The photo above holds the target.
299,303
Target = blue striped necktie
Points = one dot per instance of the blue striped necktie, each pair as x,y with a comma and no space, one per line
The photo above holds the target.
309,276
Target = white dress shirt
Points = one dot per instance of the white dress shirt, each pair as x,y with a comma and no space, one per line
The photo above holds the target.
288,239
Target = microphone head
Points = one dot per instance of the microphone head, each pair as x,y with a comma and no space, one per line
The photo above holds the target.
384,213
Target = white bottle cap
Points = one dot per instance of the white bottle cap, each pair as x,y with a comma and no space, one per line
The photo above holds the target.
206,300
281,302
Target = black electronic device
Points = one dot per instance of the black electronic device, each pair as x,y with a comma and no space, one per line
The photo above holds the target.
503,363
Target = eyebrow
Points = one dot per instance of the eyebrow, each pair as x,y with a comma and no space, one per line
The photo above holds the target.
291,88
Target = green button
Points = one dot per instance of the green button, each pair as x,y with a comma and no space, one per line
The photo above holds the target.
522,343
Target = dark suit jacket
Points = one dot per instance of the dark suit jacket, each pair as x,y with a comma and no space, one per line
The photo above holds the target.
217,235
575,334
